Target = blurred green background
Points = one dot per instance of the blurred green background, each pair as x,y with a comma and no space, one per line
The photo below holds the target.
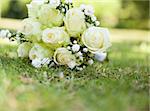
112,13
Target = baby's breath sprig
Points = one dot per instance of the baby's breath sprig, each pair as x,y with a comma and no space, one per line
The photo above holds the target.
13,36
82,54
20,37
90,18
64,7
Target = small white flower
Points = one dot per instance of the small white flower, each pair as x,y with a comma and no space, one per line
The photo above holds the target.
37,63
68,47
85,50
61,75
55,3
71,64
51,64
75,42
75,48
17,37
79,68
87,12
88,9
81,58
97,23
79,54
93,18
100,56
68,1
82,6
63,10
90,62
84,67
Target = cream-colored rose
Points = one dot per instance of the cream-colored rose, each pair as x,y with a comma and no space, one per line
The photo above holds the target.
33,8
75,22
96,39
64,57
23,49
40,51
31,29
50,16
55,35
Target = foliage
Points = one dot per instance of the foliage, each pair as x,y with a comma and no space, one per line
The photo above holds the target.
14,9
133,13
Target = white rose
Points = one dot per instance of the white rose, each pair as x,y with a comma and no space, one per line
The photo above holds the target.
96,39
23,49
55,35
31,29
33,8
50,16
64,57
40,51
75,22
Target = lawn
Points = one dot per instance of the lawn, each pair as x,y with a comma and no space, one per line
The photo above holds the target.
120,84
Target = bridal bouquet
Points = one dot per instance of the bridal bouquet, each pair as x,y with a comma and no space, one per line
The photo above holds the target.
59,34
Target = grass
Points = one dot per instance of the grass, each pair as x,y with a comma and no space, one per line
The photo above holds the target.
118,85
121,84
